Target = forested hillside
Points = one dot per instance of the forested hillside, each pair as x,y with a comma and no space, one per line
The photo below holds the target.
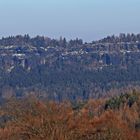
59,69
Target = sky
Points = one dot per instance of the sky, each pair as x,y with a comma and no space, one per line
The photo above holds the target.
86,19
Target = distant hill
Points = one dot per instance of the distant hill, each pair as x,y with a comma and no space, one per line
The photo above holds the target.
58,69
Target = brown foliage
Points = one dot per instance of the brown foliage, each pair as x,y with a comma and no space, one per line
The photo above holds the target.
31,119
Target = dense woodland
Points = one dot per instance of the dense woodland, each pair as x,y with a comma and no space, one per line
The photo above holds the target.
114,118
54,89
59,69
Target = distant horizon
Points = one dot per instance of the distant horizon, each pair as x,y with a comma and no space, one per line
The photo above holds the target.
86,19
68,39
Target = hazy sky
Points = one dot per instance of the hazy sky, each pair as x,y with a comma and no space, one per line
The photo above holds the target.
86,19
